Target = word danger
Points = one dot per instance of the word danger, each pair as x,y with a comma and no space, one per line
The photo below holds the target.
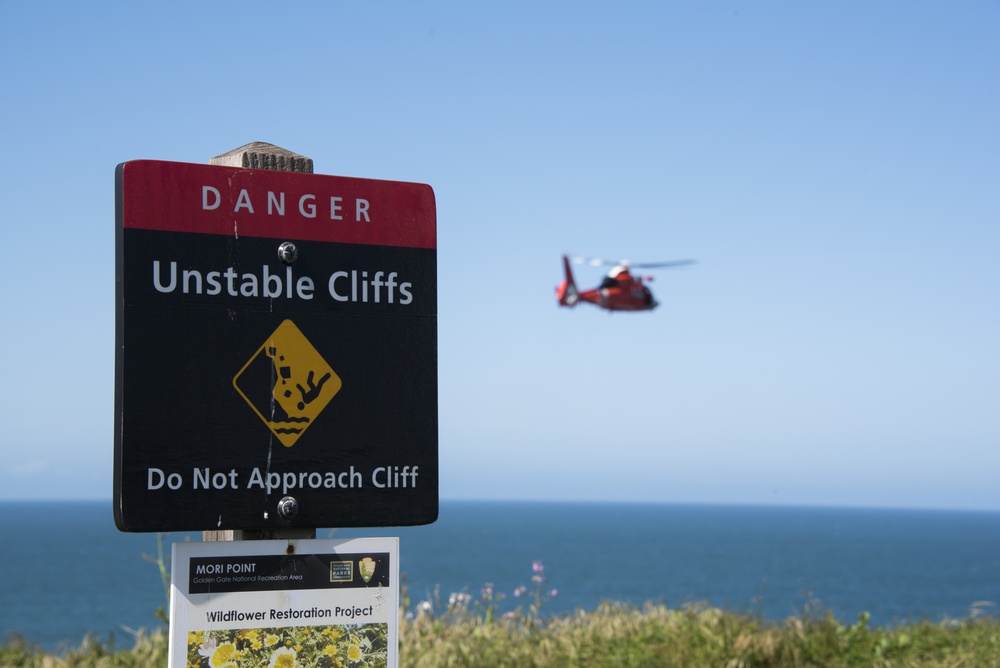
343,286
382,477
273,204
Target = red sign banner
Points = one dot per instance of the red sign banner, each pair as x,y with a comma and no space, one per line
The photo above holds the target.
207,199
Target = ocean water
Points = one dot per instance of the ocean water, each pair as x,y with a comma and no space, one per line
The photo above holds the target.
69,572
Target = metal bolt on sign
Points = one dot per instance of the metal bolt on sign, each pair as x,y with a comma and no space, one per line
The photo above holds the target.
288,253
288,507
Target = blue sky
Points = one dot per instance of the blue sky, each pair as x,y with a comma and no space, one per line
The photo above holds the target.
834,167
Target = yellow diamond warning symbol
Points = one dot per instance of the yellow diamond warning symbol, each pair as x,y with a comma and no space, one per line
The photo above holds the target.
287,383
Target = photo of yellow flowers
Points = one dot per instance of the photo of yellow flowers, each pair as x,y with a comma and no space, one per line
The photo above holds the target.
335,646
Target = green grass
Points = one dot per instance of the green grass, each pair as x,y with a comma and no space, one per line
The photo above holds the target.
621,635
616,635
466,633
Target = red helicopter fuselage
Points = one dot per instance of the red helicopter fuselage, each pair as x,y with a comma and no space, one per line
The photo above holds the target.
619,291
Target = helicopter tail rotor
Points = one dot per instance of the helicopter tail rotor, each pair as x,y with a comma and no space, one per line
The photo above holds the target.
567,293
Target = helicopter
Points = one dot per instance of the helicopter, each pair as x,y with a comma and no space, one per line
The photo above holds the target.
619,291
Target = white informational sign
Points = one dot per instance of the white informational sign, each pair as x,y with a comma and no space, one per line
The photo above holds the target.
285,603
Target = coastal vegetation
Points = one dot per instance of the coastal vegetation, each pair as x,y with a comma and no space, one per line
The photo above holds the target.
613,635
494,630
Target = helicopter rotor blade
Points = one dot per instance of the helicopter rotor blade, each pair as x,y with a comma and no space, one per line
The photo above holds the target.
598,262
592,261
663,265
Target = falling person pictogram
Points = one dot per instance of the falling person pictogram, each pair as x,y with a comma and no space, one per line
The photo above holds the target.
309,396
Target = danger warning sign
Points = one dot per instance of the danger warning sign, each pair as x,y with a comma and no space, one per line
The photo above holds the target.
276,336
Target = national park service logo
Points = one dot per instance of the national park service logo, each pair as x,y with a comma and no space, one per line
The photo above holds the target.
366,567
287,383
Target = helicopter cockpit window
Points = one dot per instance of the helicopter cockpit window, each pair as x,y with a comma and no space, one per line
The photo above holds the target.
608,282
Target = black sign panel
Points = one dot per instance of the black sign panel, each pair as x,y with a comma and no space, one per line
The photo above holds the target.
246,375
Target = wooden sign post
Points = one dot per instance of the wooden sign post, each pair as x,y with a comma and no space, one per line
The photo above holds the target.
261,155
